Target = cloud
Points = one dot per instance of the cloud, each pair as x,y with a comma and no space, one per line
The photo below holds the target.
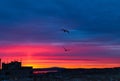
41,20
27,26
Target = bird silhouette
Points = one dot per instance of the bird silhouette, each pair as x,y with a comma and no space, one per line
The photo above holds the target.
66,50
65,30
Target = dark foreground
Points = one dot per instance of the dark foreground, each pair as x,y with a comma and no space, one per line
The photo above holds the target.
111,74
13,71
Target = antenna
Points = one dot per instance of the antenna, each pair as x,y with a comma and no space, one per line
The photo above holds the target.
6,60
20,59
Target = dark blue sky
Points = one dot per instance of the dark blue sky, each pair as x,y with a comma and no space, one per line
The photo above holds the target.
86,19
91,22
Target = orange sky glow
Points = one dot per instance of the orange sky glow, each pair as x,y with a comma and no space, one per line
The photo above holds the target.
43,56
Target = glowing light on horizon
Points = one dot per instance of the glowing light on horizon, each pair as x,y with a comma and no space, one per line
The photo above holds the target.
43,56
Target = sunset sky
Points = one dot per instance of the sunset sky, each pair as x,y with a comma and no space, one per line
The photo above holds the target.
30,31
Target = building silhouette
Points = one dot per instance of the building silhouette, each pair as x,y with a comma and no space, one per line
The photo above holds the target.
14,71
0,64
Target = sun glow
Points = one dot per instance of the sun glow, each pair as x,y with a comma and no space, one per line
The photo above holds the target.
43,56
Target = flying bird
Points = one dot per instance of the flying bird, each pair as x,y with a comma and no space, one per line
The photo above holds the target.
65,49
65,30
